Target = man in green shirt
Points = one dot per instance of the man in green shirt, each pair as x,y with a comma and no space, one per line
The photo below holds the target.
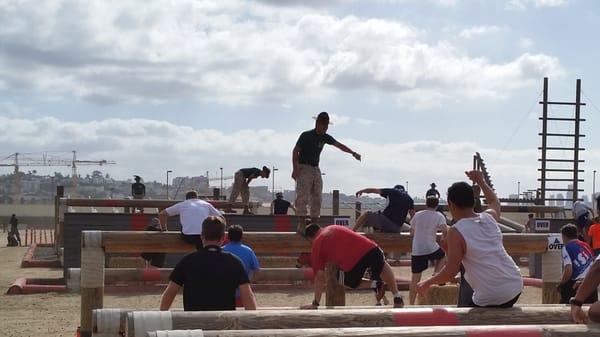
306,172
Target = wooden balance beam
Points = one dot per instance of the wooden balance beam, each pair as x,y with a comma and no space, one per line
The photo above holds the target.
303,319
96,243
564,330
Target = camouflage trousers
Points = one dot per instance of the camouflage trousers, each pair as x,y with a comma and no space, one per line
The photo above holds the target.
309,187
239,187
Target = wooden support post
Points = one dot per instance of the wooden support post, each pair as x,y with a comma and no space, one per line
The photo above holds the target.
551,275
335,207
357,210
92,278
60,210
216,194
335,293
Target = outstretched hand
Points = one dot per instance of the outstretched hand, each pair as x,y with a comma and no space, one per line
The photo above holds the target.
356,156
578,315
476,177
359,193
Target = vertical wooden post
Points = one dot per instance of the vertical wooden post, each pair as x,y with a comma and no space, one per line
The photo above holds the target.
216,194
92,278
357,210
576,141
59,218
335,207
544,144
551,275
335,293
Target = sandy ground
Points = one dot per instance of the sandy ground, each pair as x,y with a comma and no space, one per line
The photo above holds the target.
58,314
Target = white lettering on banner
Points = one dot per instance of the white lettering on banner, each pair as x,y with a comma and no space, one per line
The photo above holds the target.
341,222
555,242
542,225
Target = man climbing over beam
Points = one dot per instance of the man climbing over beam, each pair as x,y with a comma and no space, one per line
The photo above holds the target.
192,213
306,172
241,185
210,276
475,240
393,216
353,253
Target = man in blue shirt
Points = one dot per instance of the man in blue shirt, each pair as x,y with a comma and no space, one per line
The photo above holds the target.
577,259
243,252
393,216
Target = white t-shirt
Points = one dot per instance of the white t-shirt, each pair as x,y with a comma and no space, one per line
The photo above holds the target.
580,208
491,272
192,213
425,225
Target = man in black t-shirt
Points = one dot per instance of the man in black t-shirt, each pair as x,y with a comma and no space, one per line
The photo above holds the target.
306,172
241,182
432,192
138,190
393,216
210,276
280,206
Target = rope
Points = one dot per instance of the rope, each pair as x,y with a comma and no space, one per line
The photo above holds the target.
522,120
178,333
108,321
144,321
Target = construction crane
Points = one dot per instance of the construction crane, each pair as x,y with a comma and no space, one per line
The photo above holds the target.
18,160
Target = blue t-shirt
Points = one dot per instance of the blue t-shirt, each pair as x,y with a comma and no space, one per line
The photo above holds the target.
399,202
580,256
245,254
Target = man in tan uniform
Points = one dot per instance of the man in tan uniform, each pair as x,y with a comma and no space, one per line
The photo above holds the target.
306,172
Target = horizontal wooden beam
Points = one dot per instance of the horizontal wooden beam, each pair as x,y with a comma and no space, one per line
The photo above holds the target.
142,203
281,242
563,330
561,103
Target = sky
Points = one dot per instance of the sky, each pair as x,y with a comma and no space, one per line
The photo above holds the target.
415,86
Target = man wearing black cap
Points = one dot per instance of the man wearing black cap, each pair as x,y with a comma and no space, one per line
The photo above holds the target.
432,192
280,206
305,159
393,216
138,190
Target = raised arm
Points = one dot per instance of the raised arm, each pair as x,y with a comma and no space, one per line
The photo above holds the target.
489,194
368,191
347,150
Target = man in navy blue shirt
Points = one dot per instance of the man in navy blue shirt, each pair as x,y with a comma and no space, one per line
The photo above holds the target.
400,204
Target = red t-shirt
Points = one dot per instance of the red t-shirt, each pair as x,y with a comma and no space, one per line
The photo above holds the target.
594,233
339,245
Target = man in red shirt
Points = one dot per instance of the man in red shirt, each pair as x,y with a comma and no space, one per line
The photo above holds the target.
353,253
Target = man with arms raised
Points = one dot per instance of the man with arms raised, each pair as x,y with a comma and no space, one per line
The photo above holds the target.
306,172
353,253
475,240
210,276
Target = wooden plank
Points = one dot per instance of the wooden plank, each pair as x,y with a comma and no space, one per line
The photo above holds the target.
348,318
277,242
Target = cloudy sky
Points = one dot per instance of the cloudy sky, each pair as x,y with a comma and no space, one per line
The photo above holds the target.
415,86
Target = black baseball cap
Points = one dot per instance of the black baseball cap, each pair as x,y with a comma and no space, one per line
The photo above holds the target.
399,187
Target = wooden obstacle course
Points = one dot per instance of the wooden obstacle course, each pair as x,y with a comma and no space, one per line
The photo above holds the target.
96,243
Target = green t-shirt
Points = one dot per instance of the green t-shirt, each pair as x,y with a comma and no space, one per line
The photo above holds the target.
311,144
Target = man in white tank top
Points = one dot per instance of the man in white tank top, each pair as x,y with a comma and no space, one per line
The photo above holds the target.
476,242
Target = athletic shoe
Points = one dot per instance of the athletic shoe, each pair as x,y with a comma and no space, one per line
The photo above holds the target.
398,302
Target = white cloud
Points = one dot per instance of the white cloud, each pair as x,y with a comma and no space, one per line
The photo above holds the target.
149,147
476,31
522,4
525,42
234,52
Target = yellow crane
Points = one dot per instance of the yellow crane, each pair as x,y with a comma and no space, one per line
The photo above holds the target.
18,160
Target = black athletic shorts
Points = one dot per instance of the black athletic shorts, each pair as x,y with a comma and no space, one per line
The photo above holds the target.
374,260
418,263
193,239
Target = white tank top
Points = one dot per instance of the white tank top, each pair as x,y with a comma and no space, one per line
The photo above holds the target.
491,272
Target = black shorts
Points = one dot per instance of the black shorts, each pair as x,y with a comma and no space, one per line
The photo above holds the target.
418,263
374,260
193,239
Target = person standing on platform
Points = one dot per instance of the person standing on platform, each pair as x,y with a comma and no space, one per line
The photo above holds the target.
138,191
280,206
241,185
393,216
424,226
192,213
475,240
14,229
353,253
210,276
432,191
577,258
305,163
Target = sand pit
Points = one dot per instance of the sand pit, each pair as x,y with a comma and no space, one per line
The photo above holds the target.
58,314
